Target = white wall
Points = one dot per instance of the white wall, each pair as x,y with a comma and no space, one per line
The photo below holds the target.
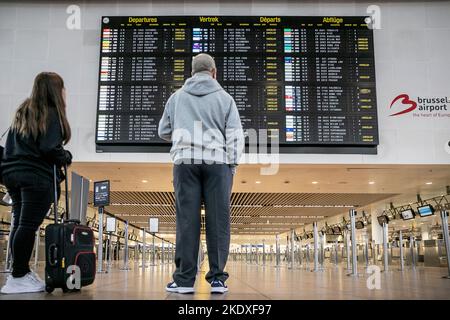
411,51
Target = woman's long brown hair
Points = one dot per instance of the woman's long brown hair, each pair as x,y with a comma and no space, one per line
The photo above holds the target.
31,119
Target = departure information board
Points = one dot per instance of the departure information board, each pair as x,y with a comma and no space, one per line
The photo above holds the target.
307,81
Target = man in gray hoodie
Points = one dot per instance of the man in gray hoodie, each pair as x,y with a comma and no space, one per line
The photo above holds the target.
202,122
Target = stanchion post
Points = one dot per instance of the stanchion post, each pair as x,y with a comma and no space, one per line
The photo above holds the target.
411,248
336,261
316,247
321,251
125,256
385,247
402,263
292,249
264,253
109,251
277,251
144,245
353,239
100,240
300,255
366,249
347,248
444,218
153,250
162,252
374,252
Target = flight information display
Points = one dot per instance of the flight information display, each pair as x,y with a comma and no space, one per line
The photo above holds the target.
307,81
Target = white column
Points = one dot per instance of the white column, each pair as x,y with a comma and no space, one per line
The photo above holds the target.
316,247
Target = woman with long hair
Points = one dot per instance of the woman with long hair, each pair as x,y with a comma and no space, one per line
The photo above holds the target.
33,146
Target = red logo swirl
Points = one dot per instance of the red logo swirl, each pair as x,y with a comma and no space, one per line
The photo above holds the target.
406,101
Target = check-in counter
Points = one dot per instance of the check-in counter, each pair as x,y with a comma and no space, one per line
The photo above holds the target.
431,254
333,253
442,253
389,252
361,253
434,253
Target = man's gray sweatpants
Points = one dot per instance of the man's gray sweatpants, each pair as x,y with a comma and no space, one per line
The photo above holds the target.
212,184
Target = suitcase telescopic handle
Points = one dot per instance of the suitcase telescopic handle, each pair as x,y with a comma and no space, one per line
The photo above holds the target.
66,184
55,200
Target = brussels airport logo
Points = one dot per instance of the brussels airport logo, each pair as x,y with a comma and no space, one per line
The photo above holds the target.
424,107
403,103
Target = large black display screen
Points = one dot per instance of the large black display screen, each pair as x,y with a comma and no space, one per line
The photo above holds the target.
310,81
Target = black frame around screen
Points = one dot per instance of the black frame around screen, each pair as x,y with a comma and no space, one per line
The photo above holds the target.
288,148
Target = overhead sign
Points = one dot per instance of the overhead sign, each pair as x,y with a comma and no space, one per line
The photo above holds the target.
101,193
110,224
153,225
302,81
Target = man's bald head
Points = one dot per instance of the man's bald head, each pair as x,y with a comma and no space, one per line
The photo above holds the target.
203,63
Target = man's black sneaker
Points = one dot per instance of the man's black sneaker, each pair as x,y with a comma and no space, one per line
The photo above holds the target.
218,286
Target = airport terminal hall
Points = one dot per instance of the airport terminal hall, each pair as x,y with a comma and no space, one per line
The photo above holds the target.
236,154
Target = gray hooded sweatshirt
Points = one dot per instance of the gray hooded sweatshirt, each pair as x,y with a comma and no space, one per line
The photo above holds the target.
202,122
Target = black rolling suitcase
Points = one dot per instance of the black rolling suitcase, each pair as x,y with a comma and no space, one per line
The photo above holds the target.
68,244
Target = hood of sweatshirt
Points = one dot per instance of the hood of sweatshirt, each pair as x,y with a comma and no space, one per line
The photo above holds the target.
201,84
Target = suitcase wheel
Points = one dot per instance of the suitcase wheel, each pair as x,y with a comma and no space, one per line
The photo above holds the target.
49,289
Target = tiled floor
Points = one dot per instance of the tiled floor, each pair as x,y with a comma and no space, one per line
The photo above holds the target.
257,282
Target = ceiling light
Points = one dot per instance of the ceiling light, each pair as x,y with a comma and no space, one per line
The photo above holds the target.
257,182
429,183
371,182
314,182
144,181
